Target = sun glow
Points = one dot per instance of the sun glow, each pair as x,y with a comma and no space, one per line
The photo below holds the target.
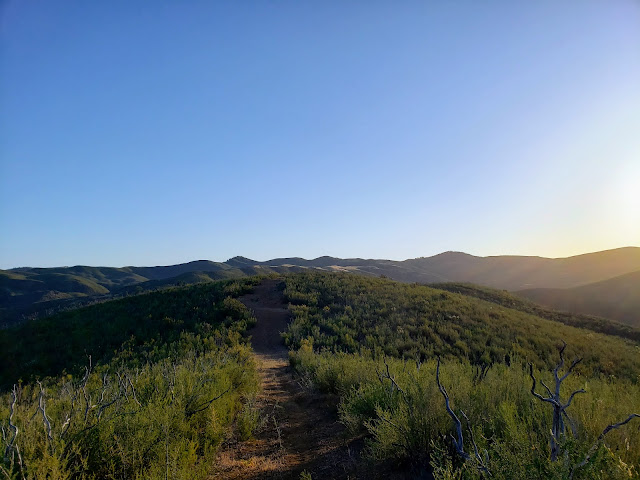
623,204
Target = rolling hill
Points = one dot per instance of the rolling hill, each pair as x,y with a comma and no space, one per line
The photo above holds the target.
173,371
617,298
28,292
515,302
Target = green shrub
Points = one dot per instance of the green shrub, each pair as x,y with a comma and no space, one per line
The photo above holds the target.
378,317
508,422
178,378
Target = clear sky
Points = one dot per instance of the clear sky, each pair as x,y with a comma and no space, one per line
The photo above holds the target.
151,133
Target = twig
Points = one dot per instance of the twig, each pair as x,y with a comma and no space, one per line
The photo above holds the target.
205,405
387,375
45,419
459,442
600,438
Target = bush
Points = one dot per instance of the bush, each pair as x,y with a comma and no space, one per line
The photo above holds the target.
413,426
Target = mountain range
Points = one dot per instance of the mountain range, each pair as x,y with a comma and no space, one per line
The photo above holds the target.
605,283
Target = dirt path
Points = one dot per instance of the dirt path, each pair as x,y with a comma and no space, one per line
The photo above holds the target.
300,430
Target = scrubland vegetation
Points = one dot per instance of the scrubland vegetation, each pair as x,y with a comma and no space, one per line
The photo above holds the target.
150,386
510,426
376,317
347,330
514,302
144,387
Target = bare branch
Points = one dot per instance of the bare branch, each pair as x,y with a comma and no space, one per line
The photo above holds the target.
45,419
11,446
480,372
104,406
205,405
600,438
575,362
480,463
387,375
13,427
566,405
572,424
67,423
105,384
561,363
133,390
459,442
6,474
85,395
546,388
559,408
617,425
533,387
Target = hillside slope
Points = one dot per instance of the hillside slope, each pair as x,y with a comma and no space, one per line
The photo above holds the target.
376,317
374,343
169,375
520,272
515,302
617,298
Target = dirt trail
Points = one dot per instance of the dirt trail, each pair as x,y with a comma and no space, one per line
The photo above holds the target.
300,430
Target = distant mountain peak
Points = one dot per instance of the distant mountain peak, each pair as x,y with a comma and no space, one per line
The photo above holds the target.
240,261
453,253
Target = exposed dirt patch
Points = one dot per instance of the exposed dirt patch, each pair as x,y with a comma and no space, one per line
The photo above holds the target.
300,430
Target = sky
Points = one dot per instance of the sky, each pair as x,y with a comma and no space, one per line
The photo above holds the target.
155,133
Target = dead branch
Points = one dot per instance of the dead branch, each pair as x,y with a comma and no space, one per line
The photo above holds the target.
6,474
45,419
554,398
480,372
12,427
533,387
12,448
480,463
133,390
105,384
104,406
459,442
122,386
205,405
73,394
387,375
85,395
600,438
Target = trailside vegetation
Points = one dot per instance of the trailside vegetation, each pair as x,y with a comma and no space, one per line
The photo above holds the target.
375,343
406,420
143,387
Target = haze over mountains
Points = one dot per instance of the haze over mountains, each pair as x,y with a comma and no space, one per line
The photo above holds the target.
604,283
617,298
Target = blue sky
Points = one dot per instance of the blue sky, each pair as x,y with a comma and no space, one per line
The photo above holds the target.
149,133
